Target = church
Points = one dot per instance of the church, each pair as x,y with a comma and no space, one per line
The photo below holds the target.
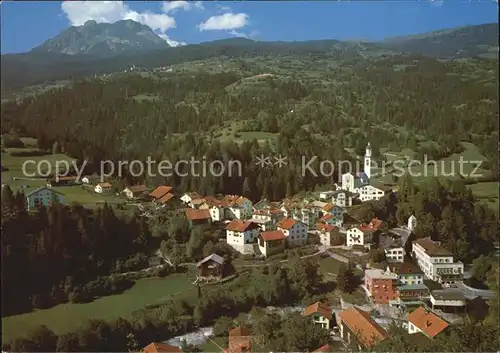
360,183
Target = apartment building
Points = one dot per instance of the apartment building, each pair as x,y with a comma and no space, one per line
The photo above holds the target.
382,285
436,262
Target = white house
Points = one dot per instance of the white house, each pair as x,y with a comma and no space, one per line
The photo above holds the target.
295,232
86,180
325,195
267,218
238,207
370,193
363,235
271,242
437,262
447,298
342,198
395,254
320,314
240,233
325,233
103,188
189,196
412,223
307,215
408,273
426,322
135,191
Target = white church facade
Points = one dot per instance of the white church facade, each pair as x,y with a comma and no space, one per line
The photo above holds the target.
360,183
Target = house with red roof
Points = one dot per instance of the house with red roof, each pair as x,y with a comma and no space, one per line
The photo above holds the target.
359,329
241,233
327,234
320,313
240,340
197,217
294,231
155,347
267,218
426,322
160,191
238,207
271,242
363,234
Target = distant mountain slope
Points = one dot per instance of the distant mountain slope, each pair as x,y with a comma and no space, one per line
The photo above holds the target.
469,41
47,63
103,39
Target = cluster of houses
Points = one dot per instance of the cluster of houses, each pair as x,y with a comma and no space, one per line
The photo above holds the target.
402,282
45,195
356,328
267,228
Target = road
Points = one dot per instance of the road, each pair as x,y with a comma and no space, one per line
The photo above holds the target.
342,259
402,232
471,293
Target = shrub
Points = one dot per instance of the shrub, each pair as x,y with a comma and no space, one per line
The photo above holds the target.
30,153
162,271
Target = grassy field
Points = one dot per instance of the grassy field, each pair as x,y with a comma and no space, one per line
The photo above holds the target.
487,193
68,317
234,131
29,179
329,265
448,167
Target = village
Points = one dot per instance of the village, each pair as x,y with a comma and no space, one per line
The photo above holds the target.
397,291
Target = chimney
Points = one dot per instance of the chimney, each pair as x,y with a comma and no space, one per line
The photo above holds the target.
428,323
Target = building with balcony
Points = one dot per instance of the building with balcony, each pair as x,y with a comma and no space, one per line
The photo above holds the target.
437,262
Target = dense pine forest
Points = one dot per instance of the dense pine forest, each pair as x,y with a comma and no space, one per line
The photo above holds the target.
235,105
399,102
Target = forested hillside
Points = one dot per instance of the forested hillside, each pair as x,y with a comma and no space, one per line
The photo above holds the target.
20,70
307,107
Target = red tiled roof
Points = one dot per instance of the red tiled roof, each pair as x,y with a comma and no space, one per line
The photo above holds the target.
239,331
325,348
373,226
325,227
197,201
154,347
104,185
165,198
318,308
427,322
361,323
193,214
233,200
138,188
272,235
160,191
328,207
287,223
327,217
241,226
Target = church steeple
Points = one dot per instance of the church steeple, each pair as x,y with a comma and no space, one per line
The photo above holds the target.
368,161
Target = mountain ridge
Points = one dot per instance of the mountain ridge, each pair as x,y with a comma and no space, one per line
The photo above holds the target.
37,66
103,39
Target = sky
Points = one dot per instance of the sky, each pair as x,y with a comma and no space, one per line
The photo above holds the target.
27,24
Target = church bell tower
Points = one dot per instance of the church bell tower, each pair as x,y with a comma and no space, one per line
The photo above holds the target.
368,161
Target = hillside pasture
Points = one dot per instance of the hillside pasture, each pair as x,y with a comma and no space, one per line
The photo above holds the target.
69,317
